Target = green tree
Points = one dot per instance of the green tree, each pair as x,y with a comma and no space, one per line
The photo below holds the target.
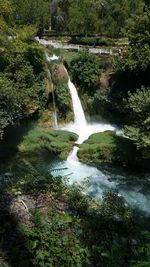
85,70
83,17
138,107
137,57
35,12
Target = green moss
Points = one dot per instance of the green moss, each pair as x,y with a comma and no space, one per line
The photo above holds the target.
109,149
56,142
64,102
62,93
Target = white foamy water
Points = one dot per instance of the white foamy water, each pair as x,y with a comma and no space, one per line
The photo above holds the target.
79,117
53,57
88,129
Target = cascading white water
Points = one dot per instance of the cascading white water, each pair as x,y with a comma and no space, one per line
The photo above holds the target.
53,57
79,117
55,122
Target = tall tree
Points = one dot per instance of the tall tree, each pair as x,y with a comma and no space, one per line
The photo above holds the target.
32,12
83,17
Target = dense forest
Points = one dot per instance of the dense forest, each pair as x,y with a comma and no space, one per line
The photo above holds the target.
44,221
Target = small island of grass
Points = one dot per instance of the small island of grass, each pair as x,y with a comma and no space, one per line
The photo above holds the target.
109,149
57,142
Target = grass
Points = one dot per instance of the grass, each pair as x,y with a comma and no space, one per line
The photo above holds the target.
56,142
103,138
109,149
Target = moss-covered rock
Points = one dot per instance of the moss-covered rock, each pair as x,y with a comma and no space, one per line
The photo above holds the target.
58,72
56,142
109,149
59,78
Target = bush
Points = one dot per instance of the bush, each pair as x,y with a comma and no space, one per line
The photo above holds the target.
92,41
78,202
54,241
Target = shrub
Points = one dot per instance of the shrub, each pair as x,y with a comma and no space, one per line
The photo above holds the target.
55,242
85,70
92,41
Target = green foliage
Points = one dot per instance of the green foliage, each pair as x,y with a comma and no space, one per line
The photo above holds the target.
136,57
34,12
92,41
134,66
83,17
138,106
85,70
138,29
55,242
10,109
61,90
108,149
78,202
64,103
101,102
114,207
29,179
25,33
22,88
139,103
56,142
104,17
134,60
77,17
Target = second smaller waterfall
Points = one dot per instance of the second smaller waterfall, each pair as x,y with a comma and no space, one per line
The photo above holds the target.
55,123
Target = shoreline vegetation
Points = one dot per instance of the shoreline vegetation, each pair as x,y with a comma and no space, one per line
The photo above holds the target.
45,222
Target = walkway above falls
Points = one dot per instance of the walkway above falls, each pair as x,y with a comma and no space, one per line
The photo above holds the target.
74,47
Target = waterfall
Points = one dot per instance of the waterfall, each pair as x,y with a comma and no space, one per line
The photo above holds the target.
55,123
53,57
97,181
79,117
80,125
48,58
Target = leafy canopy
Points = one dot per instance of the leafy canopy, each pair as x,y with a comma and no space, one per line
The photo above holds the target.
85,70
